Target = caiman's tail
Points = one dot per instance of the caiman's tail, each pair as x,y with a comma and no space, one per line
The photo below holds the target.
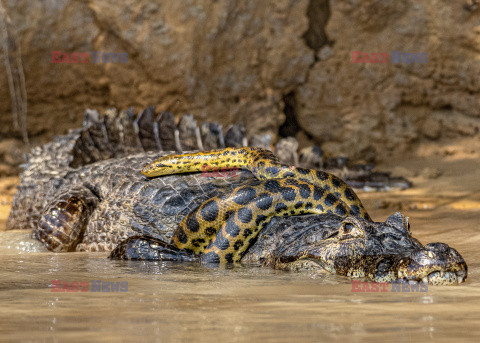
118,134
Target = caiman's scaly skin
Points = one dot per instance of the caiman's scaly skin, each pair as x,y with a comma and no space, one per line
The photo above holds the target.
85,192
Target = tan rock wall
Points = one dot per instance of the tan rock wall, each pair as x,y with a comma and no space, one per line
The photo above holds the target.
237,60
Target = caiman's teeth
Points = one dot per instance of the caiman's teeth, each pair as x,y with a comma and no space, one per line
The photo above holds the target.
460,279
430,254
400,274
425,279
441,273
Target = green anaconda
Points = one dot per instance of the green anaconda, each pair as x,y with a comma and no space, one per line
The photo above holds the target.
85,192
222,228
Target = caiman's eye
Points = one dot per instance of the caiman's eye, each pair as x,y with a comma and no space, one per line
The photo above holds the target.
348,228
351,229
408,225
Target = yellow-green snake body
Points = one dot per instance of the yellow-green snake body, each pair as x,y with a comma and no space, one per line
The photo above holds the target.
222,228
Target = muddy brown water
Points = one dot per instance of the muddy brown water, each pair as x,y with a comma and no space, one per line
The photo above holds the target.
168,302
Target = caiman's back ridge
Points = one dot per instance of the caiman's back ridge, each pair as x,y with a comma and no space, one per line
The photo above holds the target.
85,192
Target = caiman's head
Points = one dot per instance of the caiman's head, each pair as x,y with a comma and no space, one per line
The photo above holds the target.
356,248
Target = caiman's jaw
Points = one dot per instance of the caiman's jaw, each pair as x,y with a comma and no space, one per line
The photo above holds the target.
437,264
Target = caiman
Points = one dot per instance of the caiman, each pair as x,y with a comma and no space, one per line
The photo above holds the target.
134,187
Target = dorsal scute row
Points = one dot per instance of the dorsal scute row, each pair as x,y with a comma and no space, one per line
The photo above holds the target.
117,134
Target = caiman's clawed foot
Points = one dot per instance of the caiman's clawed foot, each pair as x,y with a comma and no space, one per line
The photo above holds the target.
149,248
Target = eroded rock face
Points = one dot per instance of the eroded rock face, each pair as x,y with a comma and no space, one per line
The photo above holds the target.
388,106
237,60
225,60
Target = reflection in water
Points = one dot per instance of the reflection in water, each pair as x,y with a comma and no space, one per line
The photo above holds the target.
172,302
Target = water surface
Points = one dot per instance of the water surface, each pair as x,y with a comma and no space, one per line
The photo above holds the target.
180,302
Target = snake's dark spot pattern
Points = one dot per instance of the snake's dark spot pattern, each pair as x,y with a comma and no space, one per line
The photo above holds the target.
264,201
280,207
247,233
221,242
260,218
349,194
308,205
192,222
238,244
318,192
288,193
197,242
210,231
272,186
336,182
288,174
340,210
232,228
244,195
181,236
355,210
330,200
245,215
321,175
209,211
303,171
229,258
304,191
320,208
298,205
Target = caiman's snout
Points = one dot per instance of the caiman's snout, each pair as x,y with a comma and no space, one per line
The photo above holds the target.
436,264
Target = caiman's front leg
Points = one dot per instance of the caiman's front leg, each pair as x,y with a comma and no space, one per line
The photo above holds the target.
63,222
262,163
